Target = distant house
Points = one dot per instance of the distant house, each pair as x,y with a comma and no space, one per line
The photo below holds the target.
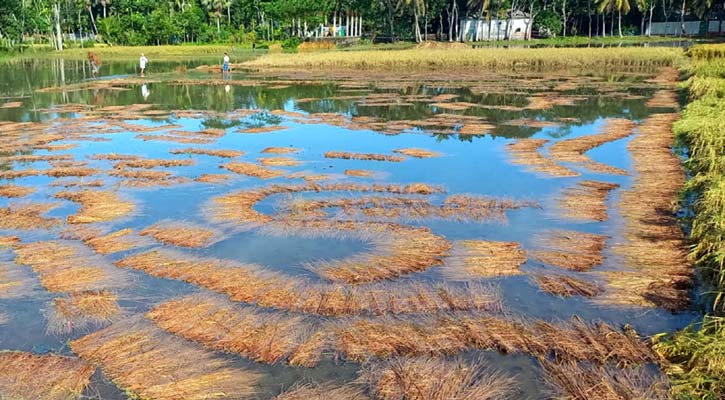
516,26
692,28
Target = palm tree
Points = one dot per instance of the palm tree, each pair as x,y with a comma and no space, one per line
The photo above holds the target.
215,8
418,7
104,3
621,6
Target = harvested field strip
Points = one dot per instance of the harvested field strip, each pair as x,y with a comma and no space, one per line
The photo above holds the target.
417,153
14,191
345,155
252,284
209,152
114,242
281,150
7,241
584,381
263,129
426,378
526,152
175,139
48,377
254,170
572,250
359,172
180,234
149,363
213,178
81,310
586,201
239,206
63,267
115,157
572,150
360,339
97,206
323,392
27,216
566,286
221,325
484,258
148,163
656,247
664,99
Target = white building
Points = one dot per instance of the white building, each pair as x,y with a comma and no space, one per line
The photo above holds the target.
517,26
674,28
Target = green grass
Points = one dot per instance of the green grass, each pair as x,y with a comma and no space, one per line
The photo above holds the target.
696,355
454,59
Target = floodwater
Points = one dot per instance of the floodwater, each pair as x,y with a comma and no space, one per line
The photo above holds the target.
317,116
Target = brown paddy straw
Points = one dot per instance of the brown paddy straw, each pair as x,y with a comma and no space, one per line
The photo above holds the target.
81,310
572,250
175,139
209,152
14,191
27,216
114,242
182,234
417,153
254,170
346,155
280,150
153,163
655,247
586,201
428,378
263,129
527,152
584,381
7,241
97,206
484,258
664,99
566,286
324,391
66,183
359,172
149,363
278,161
221,325
255,285
213,178
48,377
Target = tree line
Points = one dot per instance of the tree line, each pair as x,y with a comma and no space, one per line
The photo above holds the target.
148,22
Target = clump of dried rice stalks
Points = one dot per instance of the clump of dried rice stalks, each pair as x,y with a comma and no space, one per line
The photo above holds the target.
155,163
526,152
81,310
427,378
280,150
655,245
14,191
48,377
263,129
175,139
417,153
566,286
27,216
362,339
113,242
252,284
572,150
484,258
180,234
572,250
149,363
584,381
220,325
346,155
586,201
209,152
70,171
213,178
238,206
664,99
97,206
249,169
115,157
323,392
7,241
278,161
66,183
359,172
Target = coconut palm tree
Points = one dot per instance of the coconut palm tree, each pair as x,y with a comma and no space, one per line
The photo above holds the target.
216,7
621,6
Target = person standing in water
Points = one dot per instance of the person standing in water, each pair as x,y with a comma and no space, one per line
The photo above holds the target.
142,63
225,65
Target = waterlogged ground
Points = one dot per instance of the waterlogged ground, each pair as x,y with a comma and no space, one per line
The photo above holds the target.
467,231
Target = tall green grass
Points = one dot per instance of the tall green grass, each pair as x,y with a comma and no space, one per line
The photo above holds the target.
696,355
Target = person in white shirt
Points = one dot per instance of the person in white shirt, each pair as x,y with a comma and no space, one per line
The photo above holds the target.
142,63
225,65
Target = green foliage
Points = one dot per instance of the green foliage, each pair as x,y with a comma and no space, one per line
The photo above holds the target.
291,44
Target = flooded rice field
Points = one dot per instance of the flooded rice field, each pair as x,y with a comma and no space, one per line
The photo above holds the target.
188,235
